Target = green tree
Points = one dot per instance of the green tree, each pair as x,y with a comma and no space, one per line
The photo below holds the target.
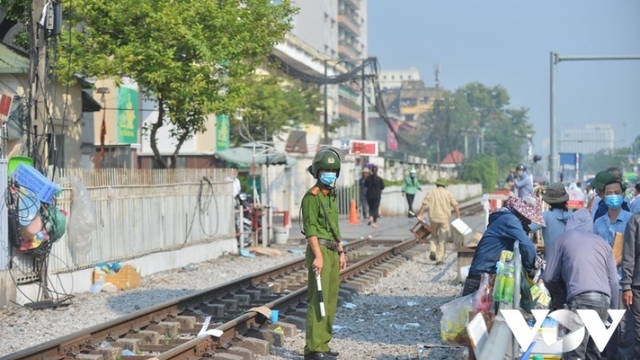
482,169
273,104
182,53
505,129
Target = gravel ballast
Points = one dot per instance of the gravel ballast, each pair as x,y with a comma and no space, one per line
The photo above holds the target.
388,321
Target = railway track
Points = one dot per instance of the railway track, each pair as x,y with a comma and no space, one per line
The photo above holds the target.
237,311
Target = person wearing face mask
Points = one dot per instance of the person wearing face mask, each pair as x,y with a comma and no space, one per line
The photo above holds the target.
325,255
409,189
506,225
523,183
615,221
601,179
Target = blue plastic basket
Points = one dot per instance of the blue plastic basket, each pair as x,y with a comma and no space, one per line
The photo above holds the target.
33,180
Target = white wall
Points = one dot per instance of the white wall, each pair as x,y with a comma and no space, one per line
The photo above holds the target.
393,203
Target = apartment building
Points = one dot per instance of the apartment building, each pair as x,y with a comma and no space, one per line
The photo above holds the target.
338,29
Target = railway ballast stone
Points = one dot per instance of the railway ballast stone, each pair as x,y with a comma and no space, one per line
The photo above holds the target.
244,353
186,322
112,353
297,321
128,344
288,329
274,338
227,356
89,357
257,346
146,337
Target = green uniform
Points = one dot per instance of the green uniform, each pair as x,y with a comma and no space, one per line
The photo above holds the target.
319,329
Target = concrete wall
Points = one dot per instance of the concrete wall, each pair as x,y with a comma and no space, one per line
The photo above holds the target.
393,203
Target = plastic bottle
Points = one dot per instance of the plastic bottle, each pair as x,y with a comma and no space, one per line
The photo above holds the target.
97,287
509,283
498,285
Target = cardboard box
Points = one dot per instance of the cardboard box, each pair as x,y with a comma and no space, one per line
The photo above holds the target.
126,278
461,233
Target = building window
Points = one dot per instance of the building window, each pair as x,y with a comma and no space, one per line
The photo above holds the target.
400,77
409,77
393,77
384,77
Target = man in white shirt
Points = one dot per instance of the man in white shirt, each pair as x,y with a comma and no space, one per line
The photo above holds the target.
236,182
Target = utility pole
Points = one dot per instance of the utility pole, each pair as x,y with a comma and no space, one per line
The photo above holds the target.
326,107
35,119
363,129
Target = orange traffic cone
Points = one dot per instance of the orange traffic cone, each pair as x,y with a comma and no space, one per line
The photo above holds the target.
353,212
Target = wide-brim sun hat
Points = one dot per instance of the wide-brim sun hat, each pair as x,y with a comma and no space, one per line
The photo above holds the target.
555,194
441,182
528,207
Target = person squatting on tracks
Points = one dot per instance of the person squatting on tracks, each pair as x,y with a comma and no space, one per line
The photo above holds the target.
325,256
506,226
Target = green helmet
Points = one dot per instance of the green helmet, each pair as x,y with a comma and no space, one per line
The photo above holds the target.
325,159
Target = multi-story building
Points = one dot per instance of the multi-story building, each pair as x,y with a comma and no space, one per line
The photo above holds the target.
392,79
590,139
338,29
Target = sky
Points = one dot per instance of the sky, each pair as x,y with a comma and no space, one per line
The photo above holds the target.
508,43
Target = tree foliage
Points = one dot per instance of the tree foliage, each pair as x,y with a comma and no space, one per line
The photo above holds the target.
468,111
273,104
181,53
482,169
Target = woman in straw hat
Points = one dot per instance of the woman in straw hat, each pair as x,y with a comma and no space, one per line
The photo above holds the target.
506,226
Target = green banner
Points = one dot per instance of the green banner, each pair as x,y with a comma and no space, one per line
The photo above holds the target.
127,128
222,132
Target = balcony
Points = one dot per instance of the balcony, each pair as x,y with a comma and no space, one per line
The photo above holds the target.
348,50
354,3
349,24
345,110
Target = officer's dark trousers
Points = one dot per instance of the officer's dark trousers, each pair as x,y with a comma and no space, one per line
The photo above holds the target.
319,328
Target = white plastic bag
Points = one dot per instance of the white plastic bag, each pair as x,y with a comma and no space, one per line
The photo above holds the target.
82,217
455,317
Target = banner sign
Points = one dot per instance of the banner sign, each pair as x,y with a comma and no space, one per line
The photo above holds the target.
127,126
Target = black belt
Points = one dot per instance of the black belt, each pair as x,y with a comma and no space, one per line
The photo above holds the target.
331,245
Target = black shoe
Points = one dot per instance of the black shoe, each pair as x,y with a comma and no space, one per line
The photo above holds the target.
318,356
333,353
432,256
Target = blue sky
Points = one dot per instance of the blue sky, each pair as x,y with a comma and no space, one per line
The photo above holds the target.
498,42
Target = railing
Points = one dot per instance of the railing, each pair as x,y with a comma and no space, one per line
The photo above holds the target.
139,212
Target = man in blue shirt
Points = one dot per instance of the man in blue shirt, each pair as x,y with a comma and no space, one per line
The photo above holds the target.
523,182
602,178
606,226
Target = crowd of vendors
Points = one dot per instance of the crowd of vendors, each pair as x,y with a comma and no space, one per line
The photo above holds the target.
587,254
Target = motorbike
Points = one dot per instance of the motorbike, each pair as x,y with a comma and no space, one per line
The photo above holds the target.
251,220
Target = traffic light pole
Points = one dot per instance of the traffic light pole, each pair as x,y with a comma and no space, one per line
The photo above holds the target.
555,58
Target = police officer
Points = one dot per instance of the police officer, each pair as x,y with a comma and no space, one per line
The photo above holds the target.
325,255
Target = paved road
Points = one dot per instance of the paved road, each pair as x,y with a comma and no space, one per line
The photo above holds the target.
389,228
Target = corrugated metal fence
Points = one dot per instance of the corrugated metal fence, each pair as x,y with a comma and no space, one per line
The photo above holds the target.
139,212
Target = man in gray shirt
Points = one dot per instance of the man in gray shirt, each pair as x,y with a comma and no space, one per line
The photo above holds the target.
581,272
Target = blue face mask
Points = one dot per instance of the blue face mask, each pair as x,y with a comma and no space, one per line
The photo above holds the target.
613,201
328,178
